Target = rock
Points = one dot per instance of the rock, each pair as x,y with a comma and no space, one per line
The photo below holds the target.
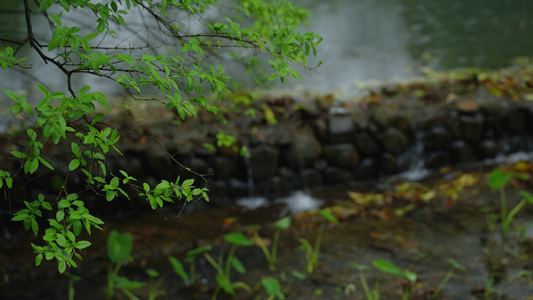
218,189
389,164
304,150
437,159
384,117
468,128
514,119
320,165
312,179
367,169
269,187
395,141
264,161
334,175
290,180
461,152
433,117
366,144
488,148
225,167
320,127
341,129
341,155
237,188
276,135
437,138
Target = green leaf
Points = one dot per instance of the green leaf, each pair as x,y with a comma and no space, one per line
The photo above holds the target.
527,196
119,246
45,4
62,266
163,185
238,239
61,240
122,282
85,46
329,216
75,149
178,268
9,182
60,215
110,195
387,267
56,40
12,95
74,164
498,180
237,265
187,183
21,215
273,76
456,265
15,108
82,244
18,154
34,225
115,182
38,259
272,287
152,273
411,276
298,275
45,163
284,223
33,165
224,282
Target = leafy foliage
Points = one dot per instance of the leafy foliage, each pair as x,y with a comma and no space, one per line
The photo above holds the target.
176,59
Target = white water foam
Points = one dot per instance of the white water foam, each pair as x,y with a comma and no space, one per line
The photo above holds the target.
299,202
251,203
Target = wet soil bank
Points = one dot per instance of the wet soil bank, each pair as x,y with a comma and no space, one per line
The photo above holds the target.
417,226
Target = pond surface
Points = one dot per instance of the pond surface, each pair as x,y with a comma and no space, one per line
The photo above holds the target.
393,225
363,40
392,39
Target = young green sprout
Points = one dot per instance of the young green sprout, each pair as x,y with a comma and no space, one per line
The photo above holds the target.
370,295
388,267
271,255
454,265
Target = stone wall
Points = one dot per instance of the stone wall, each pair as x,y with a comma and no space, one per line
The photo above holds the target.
314,144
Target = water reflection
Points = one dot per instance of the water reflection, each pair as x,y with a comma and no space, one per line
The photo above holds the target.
363,40
383,40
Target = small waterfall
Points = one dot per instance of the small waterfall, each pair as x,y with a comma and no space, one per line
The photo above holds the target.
250,202
300,200
249,172
415,159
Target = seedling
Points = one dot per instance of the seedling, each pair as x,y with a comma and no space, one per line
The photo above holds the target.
312,253
223,276
272,288
498,181
454,265
271,255
119,247
388,267
370,295
155,284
